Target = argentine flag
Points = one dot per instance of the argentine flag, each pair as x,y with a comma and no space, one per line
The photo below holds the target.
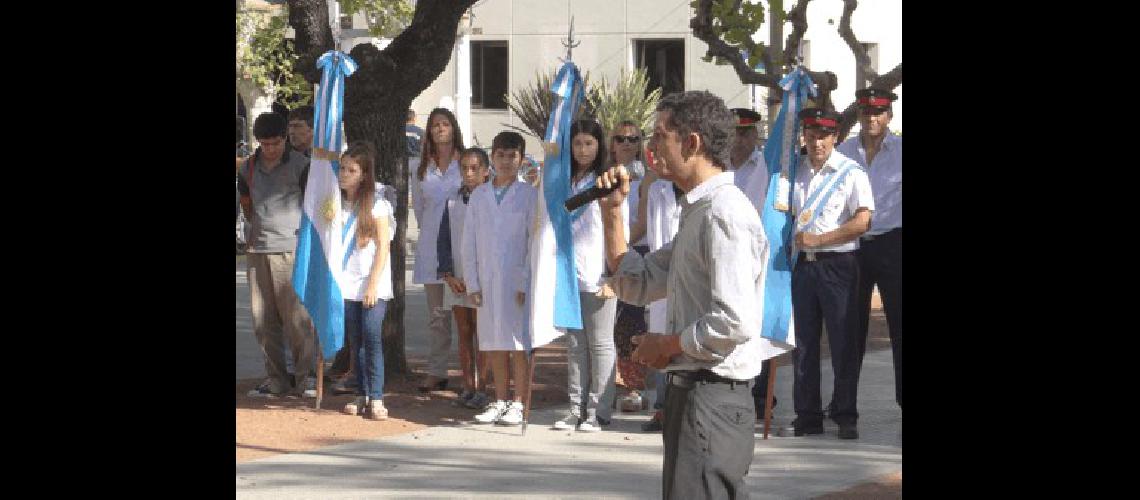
781,153
320,249
554,299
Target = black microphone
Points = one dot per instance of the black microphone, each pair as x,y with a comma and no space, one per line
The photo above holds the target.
594,193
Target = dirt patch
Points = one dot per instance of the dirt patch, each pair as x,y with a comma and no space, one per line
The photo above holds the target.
886,487
284,425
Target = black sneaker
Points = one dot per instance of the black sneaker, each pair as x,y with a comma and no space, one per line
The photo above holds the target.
848,431
346,385
653,425
804,428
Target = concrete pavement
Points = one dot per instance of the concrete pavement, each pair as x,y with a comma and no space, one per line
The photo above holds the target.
472,461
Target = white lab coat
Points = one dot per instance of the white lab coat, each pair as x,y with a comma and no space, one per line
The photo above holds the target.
663,216
428,199
495,241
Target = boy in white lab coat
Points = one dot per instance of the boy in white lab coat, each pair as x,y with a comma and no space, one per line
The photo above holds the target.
496,275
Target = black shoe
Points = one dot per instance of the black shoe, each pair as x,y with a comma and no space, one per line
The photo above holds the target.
438,386
805,428
346,385
602,421
653,425
848,431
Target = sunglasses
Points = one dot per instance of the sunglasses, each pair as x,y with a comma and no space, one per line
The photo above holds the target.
621,139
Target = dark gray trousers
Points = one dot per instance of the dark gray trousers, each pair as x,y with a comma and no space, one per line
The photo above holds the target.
709,441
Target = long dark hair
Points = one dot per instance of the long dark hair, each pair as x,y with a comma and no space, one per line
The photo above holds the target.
365,156
429,148
593,128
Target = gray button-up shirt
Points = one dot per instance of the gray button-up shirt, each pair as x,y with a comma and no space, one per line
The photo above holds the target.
713,274
276,197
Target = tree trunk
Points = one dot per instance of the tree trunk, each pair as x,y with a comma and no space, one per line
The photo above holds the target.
382,124
376,100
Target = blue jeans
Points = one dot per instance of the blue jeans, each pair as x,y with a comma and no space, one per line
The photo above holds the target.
362,326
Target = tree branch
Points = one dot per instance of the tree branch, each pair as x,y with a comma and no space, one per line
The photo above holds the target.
862,59
312,35
887,81
701,24
798,17
419,53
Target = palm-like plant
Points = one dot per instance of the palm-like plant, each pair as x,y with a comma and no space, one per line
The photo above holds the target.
626,100
532,104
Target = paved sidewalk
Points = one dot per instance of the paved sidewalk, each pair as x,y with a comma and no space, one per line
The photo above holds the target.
472,461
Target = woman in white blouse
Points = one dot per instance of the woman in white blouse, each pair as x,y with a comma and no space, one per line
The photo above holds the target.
434,178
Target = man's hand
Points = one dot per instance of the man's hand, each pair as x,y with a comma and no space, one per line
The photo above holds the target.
609,178
656,350
520,298
477,299
455,284
808,240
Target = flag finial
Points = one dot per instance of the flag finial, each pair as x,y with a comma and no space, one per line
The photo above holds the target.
569,42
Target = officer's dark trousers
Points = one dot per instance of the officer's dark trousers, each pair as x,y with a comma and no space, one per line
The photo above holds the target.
826,291
708,441
880,262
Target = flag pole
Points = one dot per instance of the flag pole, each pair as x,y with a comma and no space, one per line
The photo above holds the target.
320,377
531,355
770,394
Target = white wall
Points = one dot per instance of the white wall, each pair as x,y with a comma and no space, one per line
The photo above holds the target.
534,30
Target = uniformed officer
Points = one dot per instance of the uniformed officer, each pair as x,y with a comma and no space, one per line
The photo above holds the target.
879,152
831,205
746,160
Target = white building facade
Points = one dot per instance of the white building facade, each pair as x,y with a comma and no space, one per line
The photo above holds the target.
511,40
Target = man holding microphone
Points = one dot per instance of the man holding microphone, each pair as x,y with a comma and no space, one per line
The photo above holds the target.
712,275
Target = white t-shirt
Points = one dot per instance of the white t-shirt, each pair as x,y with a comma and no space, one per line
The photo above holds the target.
589,245
354,280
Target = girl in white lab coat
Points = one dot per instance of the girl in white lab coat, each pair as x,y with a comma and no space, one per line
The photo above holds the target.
473,164
496,273
433,179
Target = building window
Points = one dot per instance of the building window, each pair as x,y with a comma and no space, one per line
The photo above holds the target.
346,21
664,62
860,75
489,74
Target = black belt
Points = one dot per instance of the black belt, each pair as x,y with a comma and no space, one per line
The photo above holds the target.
688,379
894,232
814,256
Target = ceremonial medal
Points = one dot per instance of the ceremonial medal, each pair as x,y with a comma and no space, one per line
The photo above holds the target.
805,217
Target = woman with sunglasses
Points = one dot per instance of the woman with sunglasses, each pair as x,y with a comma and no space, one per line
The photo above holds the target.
626,146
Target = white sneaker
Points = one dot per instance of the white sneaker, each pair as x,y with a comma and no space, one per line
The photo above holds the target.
493,412
590,425
309,389
355,406
569,422
513,415
376,410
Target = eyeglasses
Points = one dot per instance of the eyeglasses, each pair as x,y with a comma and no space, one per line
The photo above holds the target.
621,139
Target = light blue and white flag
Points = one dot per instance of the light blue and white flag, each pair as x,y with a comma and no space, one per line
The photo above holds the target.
781,153
320,248
554,284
